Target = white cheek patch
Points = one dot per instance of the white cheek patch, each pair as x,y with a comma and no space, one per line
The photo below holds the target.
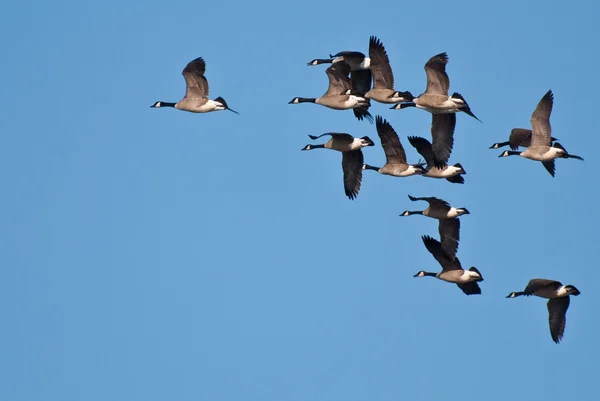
157,104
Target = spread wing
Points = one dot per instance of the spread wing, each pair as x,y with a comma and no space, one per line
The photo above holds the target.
394,152
423,146
442,137
336,135
536,284
435,248
435,203
557,316
339,82
437,79
196,84
449,230
519,137
352,163
380,65
470,288
540,121
360,81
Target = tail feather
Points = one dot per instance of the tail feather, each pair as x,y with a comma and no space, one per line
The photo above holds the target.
363,113
466,109
224,103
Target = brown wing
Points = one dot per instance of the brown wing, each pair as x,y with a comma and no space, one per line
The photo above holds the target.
352,163
540,121
196,84
394,152
519,137
423,146
435,248
536,284
339,80
557,317
437,79
449,230
442,137
383,78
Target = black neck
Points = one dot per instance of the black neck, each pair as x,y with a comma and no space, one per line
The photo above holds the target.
428,274
408,212
500,145
408,104
369,167
167,104
513,153
306,99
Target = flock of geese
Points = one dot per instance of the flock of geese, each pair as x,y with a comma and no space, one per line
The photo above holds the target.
355,80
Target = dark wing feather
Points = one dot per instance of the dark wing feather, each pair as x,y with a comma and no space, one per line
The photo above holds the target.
196,84
435,248
449,230
433,202
470,288
540,121
360,81
423,146
519,137
442,137
394,152
383,78
336,135
437,79
339,81
557,316
352,163
549,165
536,284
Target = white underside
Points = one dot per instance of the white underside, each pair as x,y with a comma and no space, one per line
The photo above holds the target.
447,107
446,172
550,293
207,107
542,153
452,276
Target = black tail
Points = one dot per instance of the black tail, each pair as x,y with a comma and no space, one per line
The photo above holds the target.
466,109
363,113
224,103
457,179
567,155
458,165
474,269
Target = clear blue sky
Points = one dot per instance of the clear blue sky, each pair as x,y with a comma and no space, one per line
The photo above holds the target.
153,254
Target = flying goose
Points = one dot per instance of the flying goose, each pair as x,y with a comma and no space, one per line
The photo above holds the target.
395,156
448,225
383,78
540,148
360,71
452,271
558,303
196,91
451,173
335,97
518,137
435,99
352,157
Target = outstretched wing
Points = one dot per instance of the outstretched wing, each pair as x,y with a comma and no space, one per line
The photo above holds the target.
352,163
437,79
196,85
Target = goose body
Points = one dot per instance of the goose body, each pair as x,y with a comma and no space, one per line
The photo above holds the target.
196,98
352,157
395,155
336,98
435,99
452,271
437,209
559,300
541,147
518,137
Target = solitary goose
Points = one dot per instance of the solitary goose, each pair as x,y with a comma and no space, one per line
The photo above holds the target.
395,156
435,99
558,303
335,97
360,69
448,226
352,157
383,78
452,271
540,149
196,91
518,137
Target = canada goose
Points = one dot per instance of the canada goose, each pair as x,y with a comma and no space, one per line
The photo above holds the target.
518,137
449,224
451,173
360,71
540,149
334,98
452,271
196,91
383,78
435,99
395,156
442,141
558,303
352,157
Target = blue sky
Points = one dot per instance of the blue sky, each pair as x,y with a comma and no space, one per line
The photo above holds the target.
153,254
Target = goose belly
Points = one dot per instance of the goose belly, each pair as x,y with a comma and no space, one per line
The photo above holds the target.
341,102
446,172
457,276
542,153
399,171
550,293
383,96
437,105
